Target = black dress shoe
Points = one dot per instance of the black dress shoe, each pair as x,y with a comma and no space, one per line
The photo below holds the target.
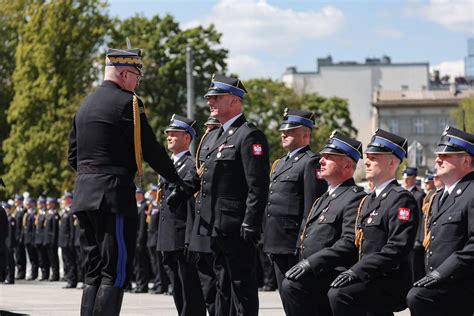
70,286
268,288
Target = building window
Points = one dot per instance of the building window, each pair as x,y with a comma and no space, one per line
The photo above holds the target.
419,126
393,126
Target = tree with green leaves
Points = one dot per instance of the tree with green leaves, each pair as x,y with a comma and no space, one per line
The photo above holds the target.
267,99
464,116
54,58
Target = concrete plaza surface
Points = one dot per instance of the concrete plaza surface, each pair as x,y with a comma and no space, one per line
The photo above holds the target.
49,298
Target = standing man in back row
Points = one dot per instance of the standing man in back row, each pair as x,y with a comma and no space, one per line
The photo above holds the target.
110,133
295,183
233,184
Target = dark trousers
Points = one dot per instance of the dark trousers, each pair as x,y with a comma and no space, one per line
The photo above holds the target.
108,244
33,257
142,267
417,263
20,260
268,277
208,280
235,264
187,294
80,264
3,262
381,296
281,264
308,295
53,258
161,280
10,265
444,299
70,269
43,259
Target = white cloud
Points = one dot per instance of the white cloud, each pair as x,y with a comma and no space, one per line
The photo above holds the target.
389,33
252,27
455,15
454,68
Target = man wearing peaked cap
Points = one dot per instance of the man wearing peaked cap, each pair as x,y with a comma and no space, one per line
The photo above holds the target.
20,250
385,230
222,85
416,256
8,231
327,237
174,230
29,237
233,187
295,183
447,287
110,136
51,234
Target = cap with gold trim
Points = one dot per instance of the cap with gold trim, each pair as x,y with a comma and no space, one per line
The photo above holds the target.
340,144
222,85
293,118
180,123
384,142
211,120
125,58
455,141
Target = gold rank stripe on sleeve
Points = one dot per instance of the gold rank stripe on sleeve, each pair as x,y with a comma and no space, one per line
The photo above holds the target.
137,136
359,233
426,221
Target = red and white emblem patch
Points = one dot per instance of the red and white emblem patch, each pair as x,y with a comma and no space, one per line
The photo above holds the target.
317,172
404,214
257,150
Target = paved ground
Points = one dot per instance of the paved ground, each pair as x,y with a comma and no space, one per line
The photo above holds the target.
48,298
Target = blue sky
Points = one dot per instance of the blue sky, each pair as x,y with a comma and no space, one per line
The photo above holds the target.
265,37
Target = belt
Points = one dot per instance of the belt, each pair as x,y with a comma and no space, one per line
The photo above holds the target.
90,169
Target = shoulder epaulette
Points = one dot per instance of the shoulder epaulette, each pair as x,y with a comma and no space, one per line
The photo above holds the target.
399,188
250,125
357,188
311,153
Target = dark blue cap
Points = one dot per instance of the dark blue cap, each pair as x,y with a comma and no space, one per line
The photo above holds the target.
410,172
139,190
340,144
6,205
383,142
50,199
124,57
154,187
296,118
211,120
19,197
30,199
180,123
41,199
455,141
221,85
428,176
67,195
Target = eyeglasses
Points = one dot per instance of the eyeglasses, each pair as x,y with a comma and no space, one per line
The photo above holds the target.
138,75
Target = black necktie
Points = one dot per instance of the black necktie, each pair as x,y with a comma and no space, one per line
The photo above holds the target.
443,198
220,131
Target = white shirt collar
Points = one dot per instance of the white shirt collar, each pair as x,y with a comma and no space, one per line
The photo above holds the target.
227,124
331,190
294,151
451,188
178,156
382,187
411,188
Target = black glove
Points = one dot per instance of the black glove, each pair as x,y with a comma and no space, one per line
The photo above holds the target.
190,256
180,193
344,279
428,280
298,270
249,233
